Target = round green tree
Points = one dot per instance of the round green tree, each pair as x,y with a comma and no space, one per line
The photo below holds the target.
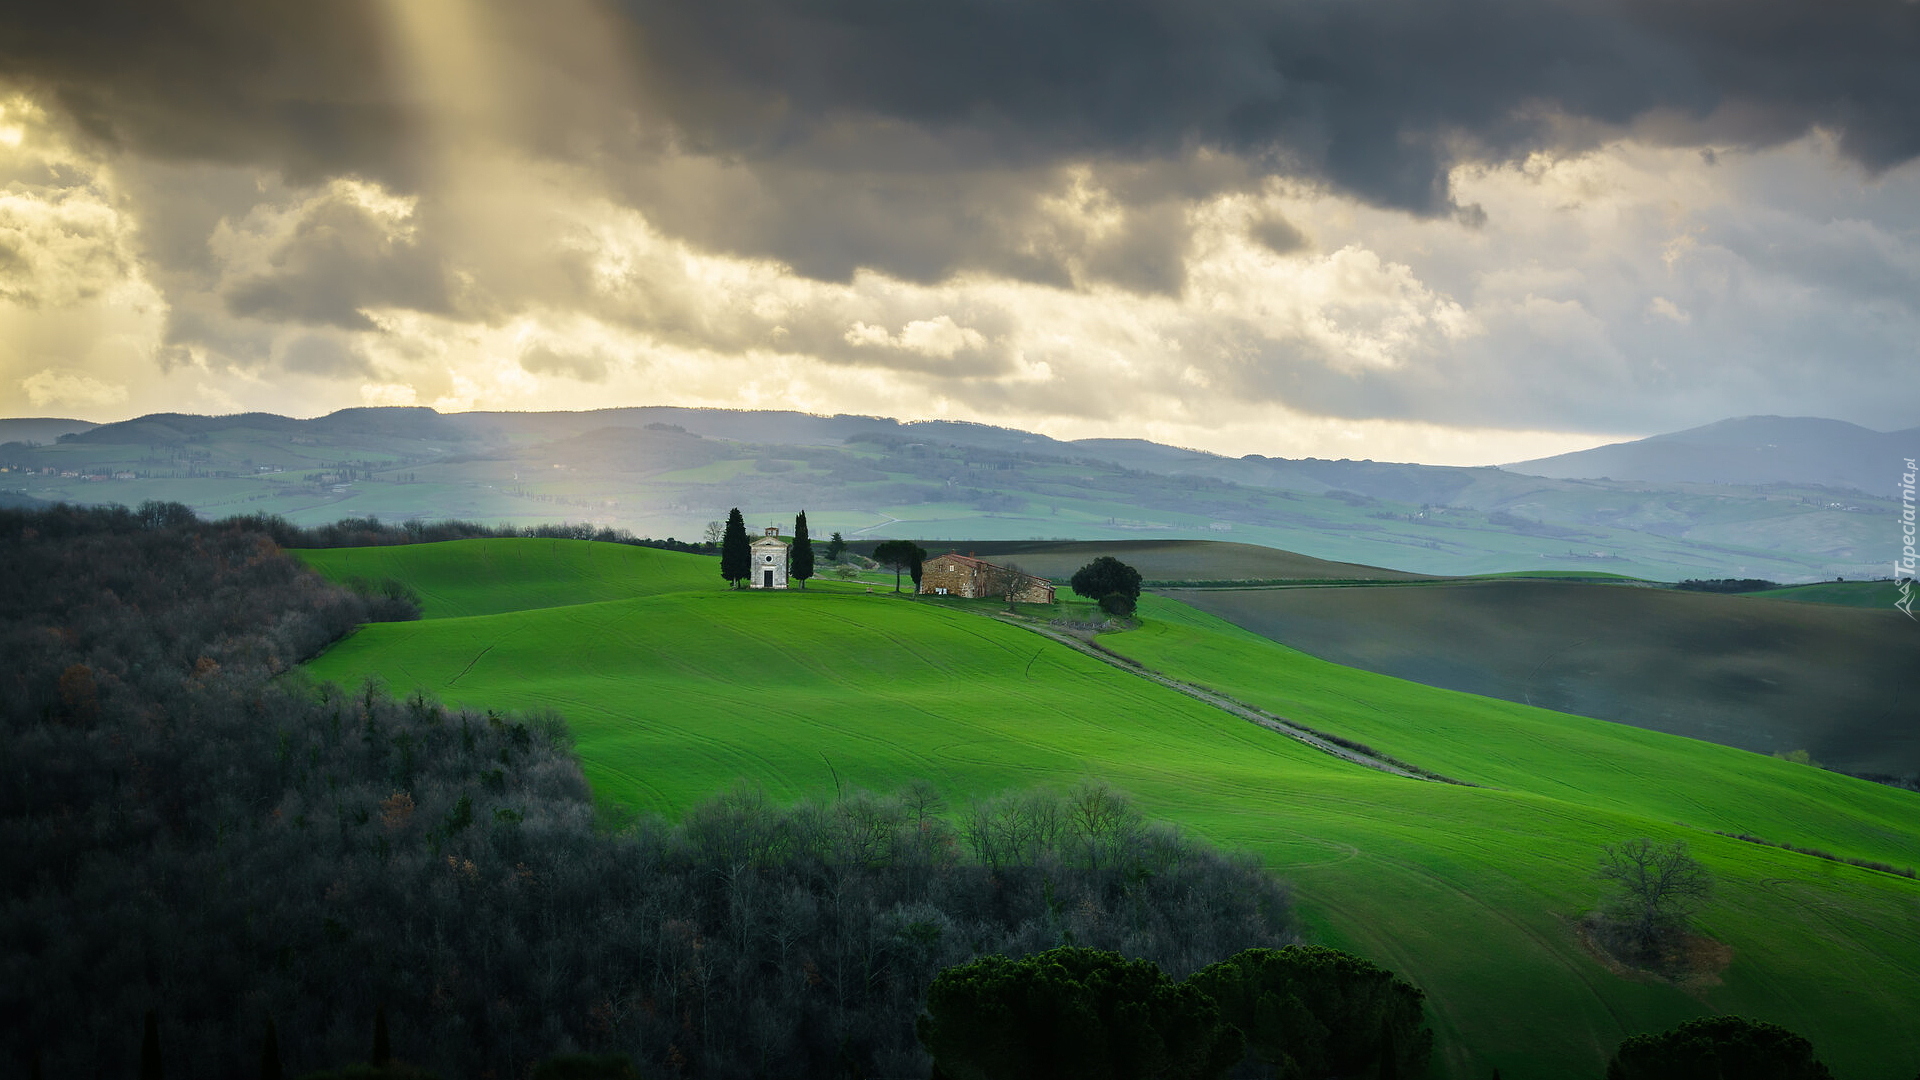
1313,1011
1106,576
1715,1046
1072,1014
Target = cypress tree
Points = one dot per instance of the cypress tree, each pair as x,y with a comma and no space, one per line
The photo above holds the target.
802,553
736,556
150,1048
382,1045
835,545
270,1054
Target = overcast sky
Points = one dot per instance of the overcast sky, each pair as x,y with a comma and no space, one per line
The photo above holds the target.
1459,231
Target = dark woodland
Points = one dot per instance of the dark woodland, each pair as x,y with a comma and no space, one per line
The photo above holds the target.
372,532
189,829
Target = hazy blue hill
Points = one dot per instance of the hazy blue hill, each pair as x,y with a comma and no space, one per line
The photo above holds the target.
663,471
1747,450
737,425
169,428
39,429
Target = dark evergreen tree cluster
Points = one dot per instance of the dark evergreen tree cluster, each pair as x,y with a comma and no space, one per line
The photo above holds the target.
188,829
372,532
1726,585
1718,1046
1076,1013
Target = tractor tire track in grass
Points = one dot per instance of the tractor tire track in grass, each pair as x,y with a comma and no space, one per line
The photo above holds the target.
1242,710
470,663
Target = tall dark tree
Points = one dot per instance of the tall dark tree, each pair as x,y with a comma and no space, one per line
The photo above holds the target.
382,1042
736,555
270,1054
836,544
1072,1014
1106,576
1717,1046
901,557
150,1048
800,555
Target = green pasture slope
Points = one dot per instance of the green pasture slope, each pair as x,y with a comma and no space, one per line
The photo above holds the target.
486,577
1878,595
677,690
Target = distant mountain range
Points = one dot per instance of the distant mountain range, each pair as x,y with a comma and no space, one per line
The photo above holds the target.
666,471
1748,450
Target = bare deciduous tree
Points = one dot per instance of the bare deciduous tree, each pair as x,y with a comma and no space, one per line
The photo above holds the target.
1003,581
1653,891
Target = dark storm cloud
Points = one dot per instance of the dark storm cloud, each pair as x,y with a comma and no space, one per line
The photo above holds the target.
305,88
1373,96
1370,95
923,139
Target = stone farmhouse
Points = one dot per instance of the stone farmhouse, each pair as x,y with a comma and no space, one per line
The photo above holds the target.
768,566
964,575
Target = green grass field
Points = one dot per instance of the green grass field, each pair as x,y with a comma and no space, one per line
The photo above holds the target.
1878,595
676,688
486,577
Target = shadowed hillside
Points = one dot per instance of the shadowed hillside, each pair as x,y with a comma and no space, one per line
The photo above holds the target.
1757,674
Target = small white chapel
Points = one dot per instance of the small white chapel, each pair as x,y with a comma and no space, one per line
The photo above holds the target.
769,565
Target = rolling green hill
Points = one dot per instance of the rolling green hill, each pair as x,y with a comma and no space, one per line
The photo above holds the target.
486,577
676,690
1878,595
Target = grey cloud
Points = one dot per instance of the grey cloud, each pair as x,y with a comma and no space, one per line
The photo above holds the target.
325,356
1278,235
875,111
341,258
304,88
586,367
